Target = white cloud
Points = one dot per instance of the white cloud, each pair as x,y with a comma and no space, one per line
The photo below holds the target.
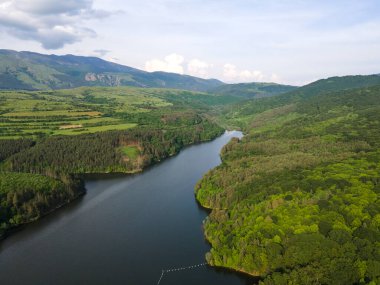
232,74
275,78
51,23
255,75
101,52
229,71
198,68
171,63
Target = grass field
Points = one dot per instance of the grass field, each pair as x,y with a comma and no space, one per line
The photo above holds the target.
130,151
91,109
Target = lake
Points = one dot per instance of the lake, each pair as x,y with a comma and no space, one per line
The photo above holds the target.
125,230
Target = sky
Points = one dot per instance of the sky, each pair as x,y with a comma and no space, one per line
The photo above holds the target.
283,41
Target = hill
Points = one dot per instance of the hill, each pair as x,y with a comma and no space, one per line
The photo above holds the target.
242,113
297,200
337,83
34,71
252,90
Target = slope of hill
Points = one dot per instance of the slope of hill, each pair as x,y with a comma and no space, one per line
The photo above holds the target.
337,83
297,200
241,114
252,90
33,71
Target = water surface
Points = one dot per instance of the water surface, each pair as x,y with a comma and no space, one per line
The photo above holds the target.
125,230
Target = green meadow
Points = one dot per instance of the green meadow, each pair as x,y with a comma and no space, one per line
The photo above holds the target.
92,109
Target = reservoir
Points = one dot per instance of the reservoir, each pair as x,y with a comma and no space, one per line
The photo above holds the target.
125,230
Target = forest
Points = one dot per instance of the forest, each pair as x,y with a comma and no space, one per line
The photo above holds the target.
25,197
296,200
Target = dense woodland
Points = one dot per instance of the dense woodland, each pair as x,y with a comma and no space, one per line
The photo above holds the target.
25,197
296,201
103,152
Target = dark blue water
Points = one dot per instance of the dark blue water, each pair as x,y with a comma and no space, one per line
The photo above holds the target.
125,230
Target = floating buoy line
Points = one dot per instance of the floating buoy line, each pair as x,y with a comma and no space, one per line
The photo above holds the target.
163,271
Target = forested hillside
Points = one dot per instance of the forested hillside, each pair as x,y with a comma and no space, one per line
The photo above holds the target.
103,152
243,113
252,90
296,201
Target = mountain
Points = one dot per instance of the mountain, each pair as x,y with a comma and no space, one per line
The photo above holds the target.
252,90
34,71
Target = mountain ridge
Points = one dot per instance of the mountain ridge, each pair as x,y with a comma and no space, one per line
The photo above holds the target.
35,71
253,89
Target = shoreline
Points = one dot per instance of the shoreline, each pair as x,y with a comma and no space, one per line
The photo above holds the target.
256,278
209,209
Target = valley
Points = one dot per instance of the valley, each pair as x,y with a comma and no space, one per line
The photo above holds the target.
294,201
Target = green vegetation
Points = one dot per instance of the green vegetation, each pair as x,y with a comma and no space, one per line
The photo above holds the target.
25,197
131,152
89,110
243,114
100,152
296,201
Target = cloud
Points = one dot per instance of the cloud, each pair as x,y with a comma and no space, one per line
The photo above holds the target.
50,7
197,67
102,52
232,74
171,63
51,23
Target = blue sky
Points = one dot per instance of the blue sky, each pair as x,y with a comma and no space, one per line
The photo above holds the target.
293,42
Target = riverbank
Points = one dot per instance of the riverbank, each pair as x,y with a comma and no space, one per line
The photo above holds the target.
210,209
15,228
26,198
